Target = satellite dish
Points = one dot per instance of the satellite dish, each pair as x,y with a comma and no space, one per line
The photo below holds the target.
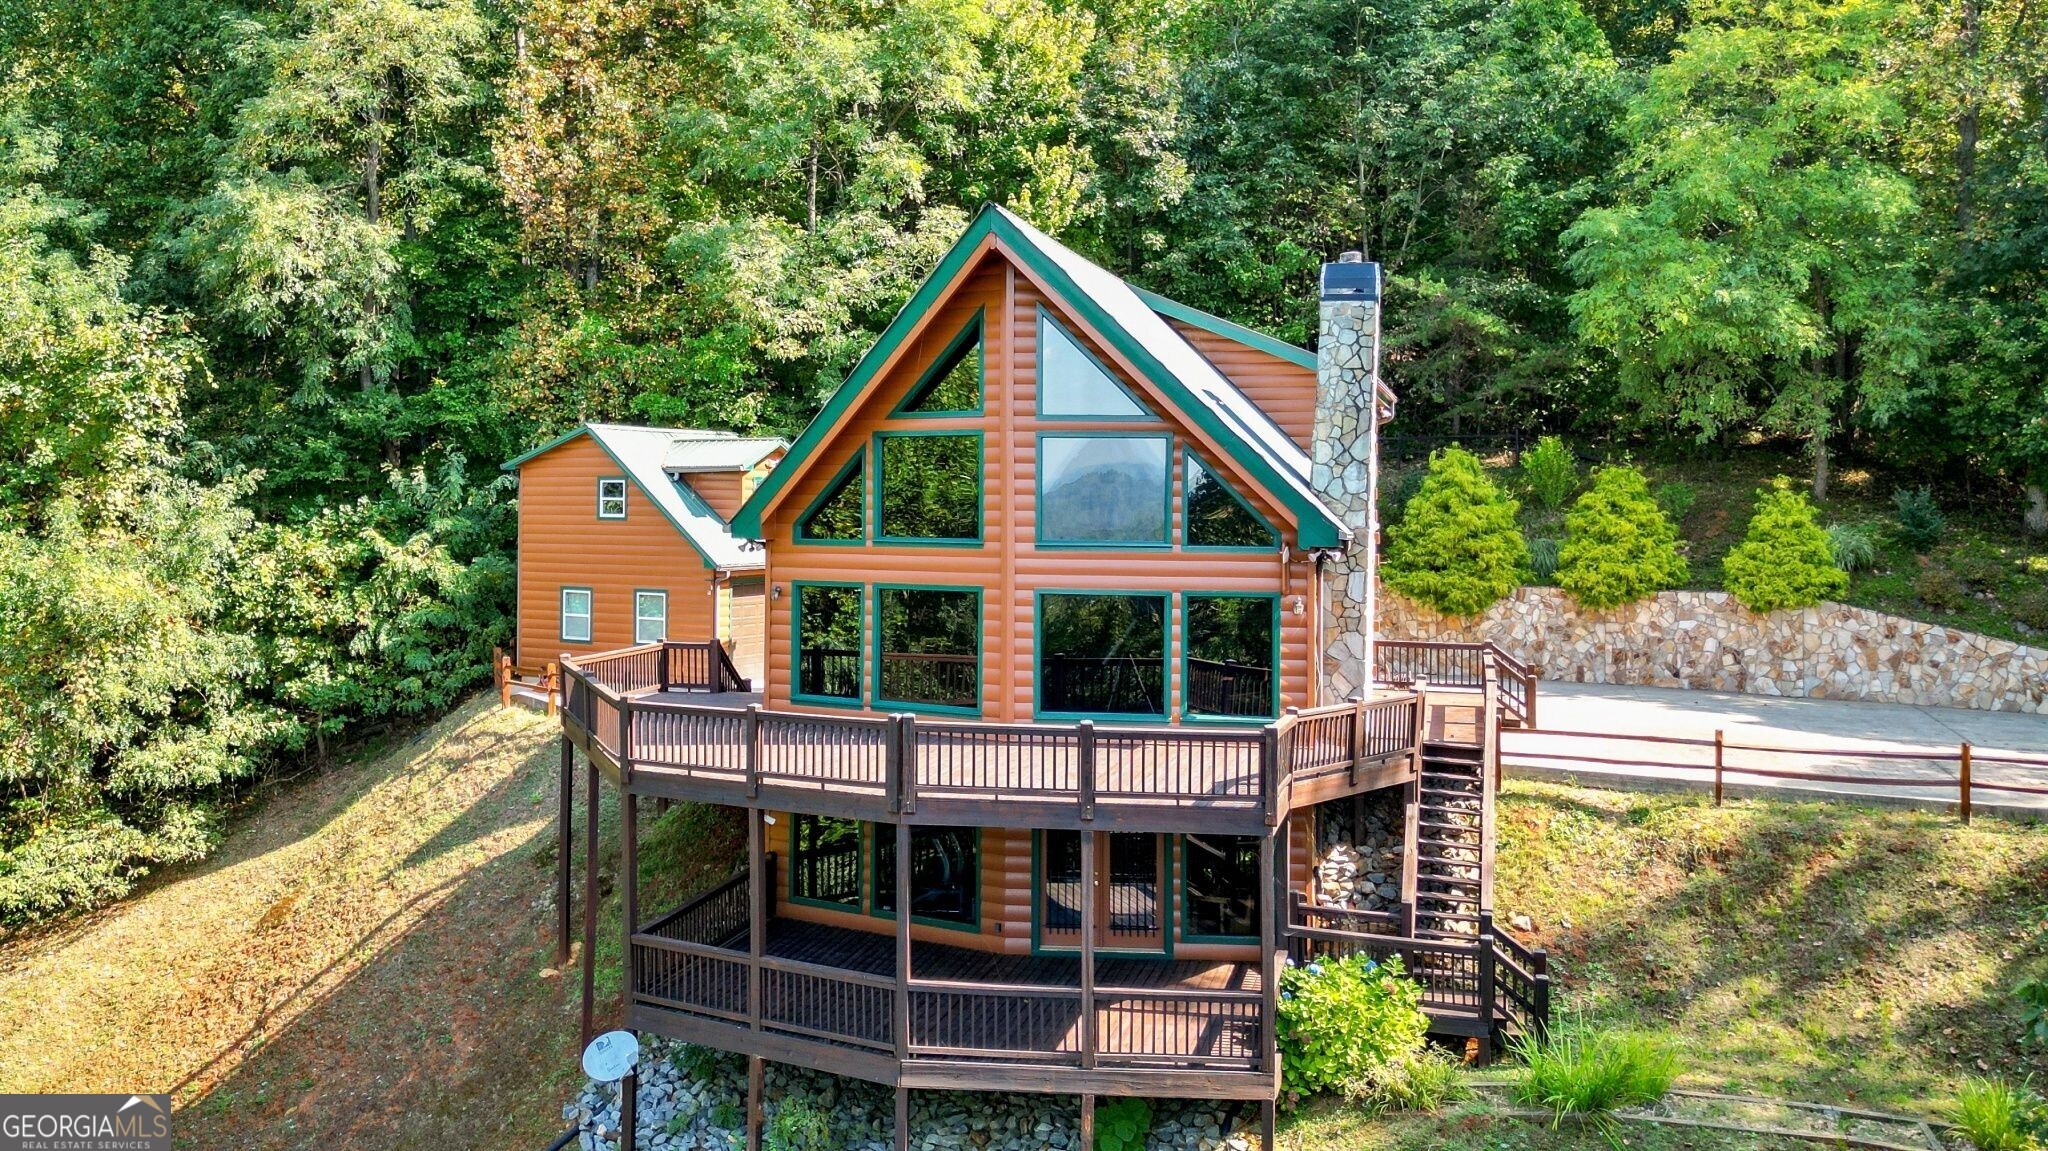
611,1056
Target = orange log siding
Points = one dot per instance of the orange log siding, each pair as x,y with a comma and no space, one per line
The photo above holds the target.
1284,391
1009,566
562,543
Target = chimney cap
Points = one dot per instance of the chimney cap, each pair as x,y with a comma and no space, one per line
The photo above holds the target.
1351,279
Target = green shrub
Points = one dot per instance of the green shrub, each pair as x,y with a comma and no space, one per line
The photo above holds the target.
1543,558
1979,564
1853,546
1121,1124
1918,518
799,1125
1343,1019
727,1116
1618,546
1579,1071
1784,560
1938,587
1424,1081
1551,472
1999,1116
1677,499
1457,547
706,1064
2033,997
2030,607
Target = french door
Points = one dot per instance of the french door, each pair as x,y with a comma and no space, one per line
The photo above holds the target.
1125,899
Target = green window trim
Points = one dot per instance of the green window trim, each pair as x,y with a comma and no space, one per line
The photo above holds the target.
796,645
856,464
1179,880
968,338
875,638
638,617
563,614
622,497
1191,461
1187,649
879,875
1165,656
1165,539
1145,413
980,493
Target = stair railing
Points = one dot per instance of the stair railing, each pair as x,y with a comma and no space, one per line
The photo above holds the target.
1489,778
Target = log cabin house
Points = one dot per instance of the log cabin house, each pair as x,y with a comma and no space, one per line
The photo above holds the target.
625,538
1061,726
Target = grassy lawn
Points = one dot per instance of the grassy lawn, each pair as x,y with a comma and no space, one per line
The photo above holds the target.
1815,951
1330,1126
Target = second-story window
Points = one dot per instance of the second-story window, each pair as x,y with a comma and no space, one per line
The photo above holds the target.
1230,642
611,499
827,647
1104,490
839,514
1102,654
929,487
930,647
1073,384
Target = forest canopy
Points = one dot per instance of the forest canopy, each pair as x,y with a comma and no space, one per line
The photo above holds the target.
282,282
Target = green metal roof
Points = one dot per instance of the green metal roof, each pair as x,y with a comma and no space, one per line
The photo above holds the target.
1132,324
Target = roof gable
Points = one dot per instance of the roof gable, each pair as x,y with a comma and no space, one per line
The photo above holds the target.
1189,383
645,454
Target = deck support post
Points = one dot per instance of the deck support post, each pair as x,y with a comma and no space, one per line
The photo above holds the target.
902,1118
755,1071
590,798
1267,1122
1087,1122
1273,867
757,913
565,850
629,1110
902,879
629,896
1088,911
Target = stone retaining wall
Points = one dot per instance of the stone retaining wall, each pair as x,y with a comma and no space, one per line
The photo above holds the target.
1708,640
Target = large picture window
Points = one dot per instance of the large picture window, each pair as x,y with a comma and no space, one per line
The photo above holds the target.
930,487
1217,518
945,873
828,642
576,615
840,513
1220,886
1074,384
1230,646
824,863
930,641
1102,654
1103,489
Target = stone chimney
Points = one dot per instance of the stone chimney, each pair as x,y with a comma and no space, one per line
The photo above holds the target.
1350,407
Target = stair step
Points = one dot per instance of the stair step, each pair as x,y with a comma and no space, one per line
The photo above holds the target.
1449,793
1450,843
1433,825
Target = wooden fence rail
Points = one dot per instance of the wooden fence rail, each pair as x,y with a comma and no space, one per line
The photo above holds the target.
1956,770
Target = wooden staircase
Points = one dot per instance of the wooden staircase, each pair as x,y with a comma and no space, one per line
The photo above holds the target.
1450,841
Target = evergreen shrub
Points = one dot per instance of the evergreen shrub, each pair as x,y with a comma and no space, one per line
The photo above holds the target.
1458,547
1785,559
1618,545
1551,472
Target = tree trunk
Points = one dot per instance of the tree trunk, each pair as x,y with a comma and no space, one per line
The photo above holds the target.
2037,510
1821,466
1967,123
811,190
373,192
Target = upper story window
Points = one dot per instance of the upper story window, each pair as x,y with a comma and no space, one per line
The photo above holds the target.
611,498
928,487
1102,654
1216,517
839,515
1073,384
827,644
930,647
952,386
1104,489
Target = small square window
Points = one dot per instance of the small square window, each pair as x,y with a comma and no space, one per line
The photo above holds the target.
650,616
576,615
611,499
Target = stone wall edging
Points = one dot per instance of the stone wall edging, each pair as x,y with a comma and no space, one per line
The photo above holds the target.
1707,640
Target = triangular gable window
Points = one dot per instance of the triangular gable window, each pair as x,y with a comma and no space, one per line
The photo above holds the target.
952,386
839,515
1218,517
1074,384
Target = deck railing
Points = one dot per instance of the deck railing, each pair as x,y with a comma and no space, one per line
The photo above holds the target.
1458,667
895,762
